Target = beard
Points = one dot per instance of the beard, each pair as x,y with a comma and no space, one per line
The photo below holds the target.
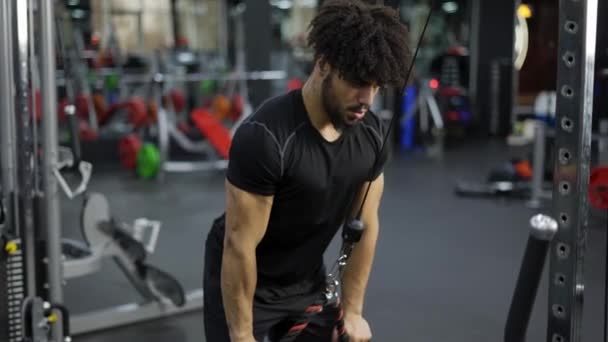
336,115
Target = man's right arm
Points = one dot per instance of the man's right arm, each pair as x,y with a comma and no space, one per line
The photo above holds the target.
247,216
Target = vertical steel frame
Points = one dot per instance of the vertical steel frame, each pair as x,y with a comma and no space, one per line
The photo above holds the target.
24,141
11,289
7,113
576,59
50,141
222,32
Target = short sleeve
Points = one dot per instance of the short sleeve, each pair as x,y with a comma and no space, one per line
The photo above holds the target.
382,154
254,163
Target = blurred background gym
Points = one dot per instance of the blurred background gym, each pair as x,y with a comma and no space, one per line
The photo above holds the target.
149,94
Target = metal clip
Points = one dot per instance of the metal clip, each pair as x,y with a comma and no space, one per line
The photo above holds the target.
85,169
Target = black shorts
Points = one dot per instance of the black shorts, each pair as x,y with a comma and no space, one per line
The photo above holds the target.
275,311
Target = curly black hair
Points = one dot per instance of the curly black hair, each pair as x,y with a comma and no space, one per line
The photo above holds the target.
365,43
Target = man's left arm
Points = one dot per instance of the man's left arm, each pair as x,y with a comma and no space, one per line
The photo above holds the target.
359,265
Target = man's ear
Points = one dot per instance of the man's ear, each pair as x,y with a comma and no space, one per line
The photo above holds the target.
323,66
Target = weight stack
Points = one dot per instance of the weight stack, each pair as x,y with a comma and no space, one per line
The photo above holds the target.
12,289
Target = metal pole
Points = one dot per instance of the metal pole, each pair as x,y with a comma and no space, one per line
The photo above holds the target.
424,93
106,21
223,21
543,229
576,64
24,142
34,82
50,155
7,112
475,13
175,22
495,79
602,142
12,281
539,164
239,28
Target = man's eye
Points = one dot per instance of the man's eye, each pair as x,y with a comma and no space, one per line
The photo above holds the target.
361,84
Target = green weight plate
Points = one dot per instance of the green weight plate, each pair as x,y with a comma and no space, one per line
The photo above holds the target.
148,161
112,82
207,87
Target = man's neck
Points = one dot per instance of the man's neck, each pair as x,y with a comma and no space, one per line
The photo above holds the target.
311,92
314,106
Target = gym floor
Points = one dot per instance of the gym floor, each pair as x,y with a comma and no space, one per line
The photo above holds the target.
445,267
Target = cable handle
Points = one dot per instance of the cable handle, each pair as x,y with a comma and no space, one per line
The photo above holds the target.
353,231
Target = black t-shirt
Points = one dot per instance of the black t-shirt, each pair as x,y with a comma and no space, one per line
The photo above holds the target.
277,151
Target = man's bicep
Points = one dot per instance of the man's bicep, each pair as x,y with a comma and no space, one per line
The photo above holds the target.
247,214
373,199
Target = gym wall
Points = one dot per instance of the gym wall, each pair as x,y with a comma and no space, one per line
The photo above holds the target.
199,22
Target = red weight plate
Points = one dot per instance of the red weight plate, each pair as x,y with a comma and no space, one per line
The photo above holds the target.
598,187
128,147
138,111
178,99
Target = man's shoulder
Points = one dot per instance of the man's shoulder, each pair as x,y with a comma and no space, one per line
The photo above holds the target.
374,120
277,109
278,116
373,124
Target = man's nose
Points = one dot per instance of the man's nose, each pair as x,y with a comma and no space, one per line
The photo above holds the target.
365,95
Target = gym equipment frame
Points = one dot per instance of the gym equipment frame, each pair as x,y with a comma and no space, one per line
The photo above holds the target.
32,265
564,238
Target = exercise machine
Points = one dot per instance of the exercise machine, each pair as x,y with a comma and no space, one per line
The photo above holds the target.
216,135
34,258
129,245
563,234
30,259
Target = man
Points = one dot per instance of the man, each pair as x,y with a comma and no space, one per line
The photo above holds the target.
298,168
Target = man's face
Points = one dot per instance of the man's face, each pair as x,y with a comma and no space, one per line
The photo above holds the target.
345,102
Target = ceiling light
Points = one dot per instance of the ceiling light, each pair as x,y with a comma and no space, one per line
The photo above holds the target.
450,7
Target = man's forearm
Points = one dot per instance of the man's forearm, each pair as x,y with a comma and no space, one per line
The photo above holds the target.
358,269
238,287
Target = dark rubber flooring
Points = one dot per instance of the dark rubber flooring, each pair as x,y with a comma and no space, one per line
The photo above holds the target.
445,267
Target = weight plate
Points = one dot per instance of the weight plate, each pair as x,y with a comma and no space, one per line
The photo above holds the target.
148,161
